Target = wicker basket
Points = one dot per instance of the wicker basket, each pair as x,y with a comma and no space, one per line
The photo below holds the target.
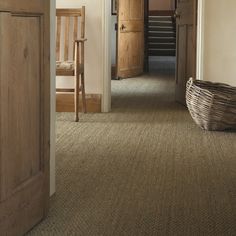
212,105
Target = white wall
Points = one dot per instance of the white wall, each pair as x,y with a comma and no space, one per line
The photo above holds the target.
93,47
220,41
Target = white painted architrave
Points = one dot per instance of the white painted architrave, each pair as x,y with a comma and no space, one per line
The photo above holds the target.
106,28
200,39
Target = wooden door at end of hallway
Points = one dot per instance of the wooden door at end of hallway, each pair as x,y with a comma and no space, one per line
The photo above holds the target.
130,48
24,114
186,20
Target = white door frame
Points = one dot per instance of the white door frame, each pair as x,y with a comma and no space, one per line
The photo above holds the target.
107,50
106,29
200,39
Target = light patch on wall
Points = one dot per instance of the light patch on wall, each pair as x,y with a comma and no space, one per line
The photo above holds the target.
219,41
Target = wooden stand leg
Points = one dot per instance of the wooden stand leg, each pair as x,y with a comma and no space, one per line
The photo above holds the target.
76,96
83,93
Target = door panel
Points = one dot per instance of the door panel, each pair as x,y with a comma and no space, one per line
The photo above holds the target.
136,10
181,63
186,45
130,38
24,114
27,49
191,53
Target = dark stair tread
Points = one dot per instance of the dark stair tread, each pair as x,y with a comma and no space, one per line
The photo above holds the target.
161,49
162,52
160,18
161,39
167,24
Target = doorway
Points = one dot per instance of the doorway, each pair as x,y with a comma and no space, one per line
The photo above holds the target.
169,30
160,35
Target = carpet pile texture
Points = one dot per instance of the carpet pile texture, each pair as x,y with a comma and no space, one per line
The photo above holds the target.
143,169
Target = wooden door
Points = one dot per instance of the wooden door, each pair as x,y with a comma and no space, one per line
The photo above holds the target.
186,20
24,114
130,50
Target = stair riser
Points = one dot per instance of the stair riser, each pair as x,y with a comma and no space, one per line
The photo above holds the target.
161,34
167,24
162,29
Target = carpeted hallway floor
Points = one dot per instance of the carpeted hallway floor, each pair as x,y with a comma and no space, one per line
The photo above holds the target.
144,169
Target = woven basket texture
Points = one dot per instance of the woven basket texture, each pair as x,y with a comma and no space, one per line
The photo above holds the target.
212,105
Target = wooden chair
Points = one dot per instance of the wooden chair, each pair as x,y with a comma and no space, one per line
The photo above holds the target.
70,51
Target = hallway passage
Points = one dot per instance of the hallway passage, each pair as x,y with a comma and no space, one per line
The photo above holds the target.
143,169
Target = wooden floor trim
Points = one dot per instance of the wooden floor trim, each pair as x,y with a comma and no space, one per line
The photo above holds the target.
65,102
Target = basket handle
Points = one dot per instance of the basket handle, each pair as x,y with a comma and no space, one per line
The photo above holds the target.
191,80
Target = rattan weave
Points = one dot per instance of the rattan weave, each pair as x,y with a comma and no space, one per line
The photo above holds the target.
212,105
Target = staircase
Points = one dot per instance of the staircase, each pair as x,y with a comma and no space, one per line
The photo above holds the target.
161,36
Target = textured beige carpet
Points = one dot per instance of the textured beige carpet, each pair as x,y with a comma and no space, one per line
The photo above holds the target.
143,169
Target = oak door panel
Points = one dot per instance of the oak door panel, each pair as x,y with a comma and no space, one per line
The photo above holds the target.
186,45
130,50
24,115
23,122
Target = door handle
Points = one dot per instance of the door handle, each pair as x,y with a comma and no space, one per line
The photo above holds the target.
177,15
123,27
